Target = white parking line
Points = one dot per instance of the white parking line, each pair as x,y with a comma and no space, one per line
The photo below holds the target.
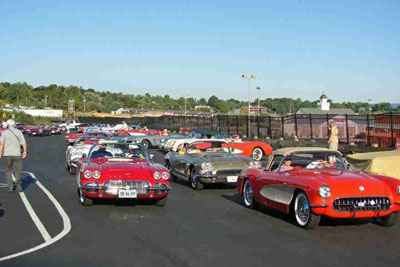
45,234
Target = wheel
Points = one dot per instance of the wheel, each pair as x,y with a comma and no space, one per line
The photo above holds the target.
161,202
257,153
63,128
248,198
145,143
303,214
387,221
67,167
194,183
173,177
72,170
84,200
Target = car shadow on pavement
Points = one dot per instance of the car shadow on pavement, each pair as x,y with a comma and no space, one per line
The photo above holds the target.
1,212
124,202
207,186
325,221
238,199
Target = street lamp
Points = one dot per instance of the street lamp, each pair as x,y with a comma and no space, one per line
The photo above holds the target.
259,91
248,77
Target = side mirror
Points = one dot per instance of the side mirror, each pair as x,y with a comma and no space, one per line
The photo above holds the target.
151,156
348,166
84,156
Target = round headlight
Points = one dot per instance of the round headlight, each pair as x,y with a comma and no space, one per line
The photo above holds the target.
96,174
157,175
88,174
207,166
165,175
324,191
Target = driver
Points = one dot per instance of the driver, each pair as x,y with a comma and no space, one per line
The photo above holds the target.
287,165
101,153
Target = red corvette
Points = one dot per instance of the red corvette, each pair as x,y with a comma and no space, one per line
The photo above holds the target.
121,171
253,149
314,182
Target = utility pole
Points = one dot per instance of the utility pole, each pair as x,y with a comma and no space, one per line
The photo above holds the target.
248,77
45,101
259,92
84,105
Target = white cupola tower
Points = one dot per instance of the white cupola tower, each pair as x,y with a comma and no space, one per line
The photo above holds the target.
324,103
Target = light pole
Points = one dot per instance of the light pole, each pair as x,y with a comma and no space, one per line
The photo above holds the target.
248,77
259,92
369,106
45,101
84,105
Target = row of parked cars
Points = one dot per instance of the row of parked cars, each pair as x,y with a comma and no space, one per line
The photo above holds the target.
305,182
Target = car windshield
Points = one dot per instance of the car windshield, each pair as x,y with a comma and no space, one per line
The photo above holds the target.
208,148
131,151
312,160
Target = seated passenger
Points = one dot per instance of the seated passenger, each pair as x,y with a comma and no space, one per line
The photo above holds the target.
101,153
236,138
286,166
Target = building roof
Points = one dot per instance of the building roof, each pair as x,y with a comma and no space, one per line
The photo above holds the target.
333,111
323,96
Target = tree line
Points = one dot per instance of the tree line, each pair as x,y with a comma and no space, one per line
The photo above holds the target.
90,100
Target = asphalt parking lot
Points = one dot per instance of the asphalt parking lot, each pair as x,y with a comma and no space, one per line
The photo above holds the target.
196,228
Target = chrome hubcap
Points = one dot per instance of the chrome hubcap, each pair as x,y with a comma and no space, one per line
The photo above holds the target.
257,154
248,193
303,209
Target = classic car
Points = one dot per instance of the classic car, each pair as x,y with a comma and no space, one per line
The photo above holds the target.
253,149
125,138
138,130
128,174
39,131
207,161
55,129
312,182
151,140
72,137
173,144
75,151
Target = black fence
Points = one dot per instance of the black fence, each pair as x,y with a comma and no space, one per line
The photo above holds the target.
382,129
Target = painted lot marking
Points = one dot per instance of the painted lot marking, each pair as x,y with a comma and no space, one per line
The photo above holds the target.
38,223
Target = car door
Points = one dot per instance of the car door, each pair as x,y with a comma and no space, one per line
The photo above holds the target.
182,159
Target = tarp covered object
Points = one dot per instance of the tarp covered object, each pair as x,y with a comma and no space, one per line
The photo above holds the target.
384,163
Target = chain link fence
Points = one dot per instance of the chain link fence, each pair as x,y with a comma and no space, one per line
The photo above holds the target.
381,130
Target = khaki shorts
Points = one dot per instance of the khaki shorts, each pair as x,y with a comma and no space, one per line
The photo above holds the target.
333,146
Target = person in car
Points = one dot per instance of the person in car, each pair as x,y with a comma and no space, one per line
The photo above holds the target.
101,153
287,165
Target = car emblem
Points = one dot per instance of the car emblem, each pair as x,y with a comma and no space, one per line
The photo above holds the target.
361,188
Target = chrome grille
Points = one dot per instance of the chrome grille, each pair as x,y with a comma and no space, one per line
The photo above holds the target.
361,204
140,186
228,172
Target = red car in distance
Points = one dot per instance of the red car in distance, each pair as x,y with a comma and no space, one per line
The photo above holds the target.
121,171
313,182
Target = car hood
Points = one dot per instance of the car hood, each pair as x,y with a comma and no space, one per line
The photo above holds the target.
226,162
132,170
351,184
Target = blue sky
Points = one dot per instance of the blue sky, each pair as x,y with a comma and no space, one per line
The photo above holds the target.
349,49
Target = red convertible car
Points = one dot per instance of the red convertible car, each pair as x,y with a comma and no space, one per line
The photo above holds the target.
253,149
313,182
121,171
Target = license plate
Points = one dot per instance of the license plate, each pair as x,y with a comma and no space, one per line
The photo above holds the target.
231,179
71,140
123,193
53,131
34,133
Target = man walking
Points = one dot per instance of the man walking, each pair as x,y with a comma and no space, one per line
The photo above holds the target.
334,137
11,141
